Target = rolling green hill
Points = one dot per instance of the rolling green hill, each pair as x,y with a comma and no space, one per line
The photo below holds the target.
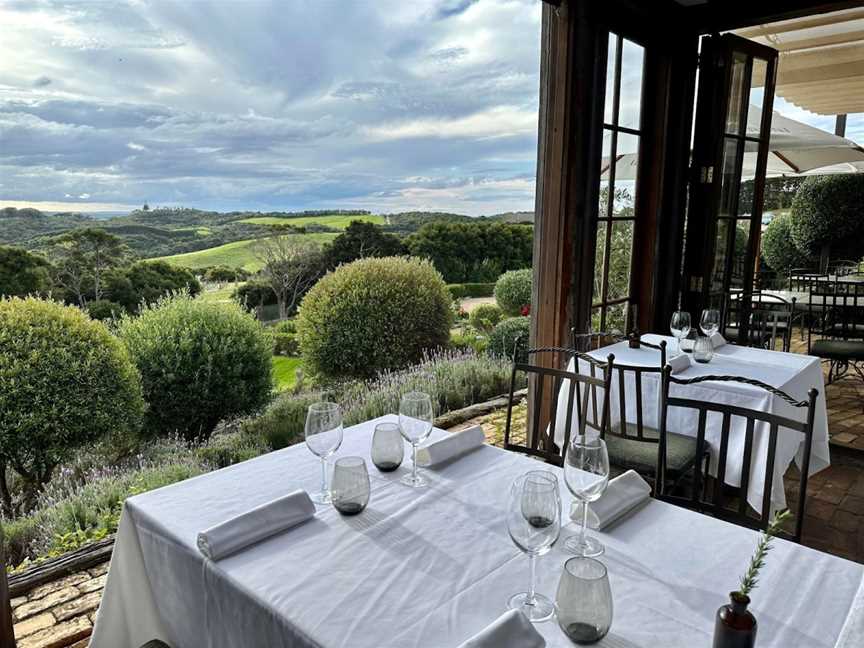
336,221
239,254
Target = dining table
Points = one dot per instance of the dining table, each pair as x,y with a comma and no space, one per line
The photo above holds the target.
431,567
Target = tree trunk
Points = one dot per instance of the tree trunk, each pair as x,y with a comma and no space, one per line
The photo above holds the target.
5,495
824,257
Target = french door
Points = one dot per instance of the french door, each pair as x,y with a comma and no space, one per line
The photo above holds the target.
730,147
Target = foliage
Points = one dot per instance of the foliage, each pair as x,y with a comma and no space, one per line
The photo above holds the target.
23,273
104,309
779,193
255,293
360,240
233,447
757,562
292,265
826,212
81,259
778,247
485,316
225,274
285,339
199,363
477,252
147,282
513,291
372,315
66,382
460,291
510,339
281,424
287,373
469,339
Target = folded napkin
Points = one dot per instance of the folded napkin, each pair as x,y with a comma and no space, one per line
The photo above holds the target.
625,493
256,525
852,634
679,363
717,340
453,446
511,630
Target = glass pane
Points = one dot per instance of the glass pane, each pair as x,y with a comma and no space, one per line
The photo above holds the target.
616,318
757,92
620,254
625,176
630,103
599,253
728,178
608,112
739,252
605,172
736,89
718,273
596,323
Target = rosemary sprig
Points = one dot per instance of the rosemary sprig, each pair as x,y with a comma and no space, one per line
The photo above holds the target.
757,562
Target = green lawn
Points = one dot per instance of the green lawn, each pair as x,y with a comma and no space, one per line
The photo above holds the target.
239,254
220,295
335,221
284,371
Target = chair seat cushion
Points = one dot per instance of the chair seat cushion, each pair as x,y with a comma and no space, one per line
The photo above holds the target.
849,331
838,349
642,455
756,337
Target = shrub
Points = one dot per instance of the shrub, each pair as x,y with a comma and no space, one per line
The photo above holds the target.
224,274
285,339
485,316
104,309
825,211
513,291
778,248
461,291
281,424
255,293
372,315
200,362
510,339
227,449
66,382
23,273
469,340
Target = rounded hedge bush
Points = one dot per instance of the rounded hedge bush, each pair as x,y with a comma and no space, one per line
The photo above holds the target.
510,339
826,210
513,291
285,339
778,248
485,316
66,382
372,315
199,362
104,309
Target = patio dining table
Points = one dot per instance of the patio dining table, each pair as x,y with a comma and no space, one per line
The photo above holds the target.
429,568
792,373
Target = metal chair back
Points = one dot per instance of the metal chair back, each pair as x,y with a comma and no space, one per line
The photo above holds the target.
800,279
836,310
771,320
713,502
585,400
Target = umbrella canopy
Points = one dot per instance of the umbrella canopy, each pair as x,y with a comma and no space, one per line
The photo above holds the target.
794,149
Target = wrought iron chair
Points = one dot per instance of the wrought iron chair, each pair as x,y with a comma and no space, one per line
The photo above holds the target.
800,279
580,389
713,502
837,317
771,320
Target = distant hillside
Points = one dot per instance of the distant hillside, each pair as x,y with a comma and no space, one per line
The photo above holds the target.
515,217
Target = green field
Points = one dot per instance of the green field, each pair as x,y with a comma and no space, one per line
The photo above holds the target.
284,371
239,254
220,295
335,221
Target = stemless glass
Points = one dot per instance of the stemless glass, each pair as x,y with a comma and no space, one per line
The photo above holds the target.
415,423
703,350
680,327
388,448
710,321
534,522
586,472
323,437
584,600
350,488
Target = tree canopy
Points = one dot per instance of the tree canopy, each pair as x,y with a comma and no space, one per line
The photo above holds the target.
23,273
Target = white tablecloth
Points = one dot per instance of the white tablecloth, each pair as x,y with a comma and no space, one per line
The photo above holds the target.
430,568
793,373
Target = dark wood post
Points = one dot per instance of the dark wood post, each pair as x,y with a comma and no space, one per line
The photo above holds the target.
7,634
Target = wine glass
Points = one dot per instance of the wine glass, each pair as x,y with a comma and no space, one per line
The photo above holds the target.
680,326
323,437
586,472
415,423
534,522
584,600
710,321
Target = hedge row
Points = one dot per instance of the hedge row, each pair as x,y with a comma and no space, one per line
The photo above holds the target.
463,290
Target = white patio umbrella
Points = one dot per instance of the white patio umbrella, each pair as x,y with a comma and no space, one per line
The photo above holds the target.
794,149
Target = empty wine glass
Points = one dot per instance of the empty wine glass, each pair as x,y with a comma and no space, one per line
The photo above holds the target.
350,488
415,423
323,437
680,327
710,321
534,522
586,472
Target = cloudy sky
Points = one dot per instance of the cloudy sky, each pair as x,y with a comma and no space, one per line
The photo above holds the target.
379,104
387,105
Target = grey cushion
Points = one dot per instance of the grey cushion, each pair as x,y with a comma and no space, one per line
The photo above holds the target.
838,349
642,455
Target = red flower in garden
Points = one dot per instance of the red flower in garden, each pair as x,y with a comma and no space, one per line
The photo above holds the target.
525,310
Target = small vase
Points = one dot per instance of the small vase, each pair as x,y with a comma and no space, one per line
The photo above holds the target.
735,626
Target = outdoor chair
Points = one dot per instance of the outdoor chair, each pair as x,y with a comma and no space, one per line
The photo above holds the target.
800,279
771,320
837,318
580,390
843,267
758,330
713,501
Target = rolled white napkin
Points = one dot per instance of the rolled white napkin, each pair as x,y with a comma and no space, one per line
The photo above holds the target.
717,340
256,525
624,493
511,630
679,363
453,446
852,633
